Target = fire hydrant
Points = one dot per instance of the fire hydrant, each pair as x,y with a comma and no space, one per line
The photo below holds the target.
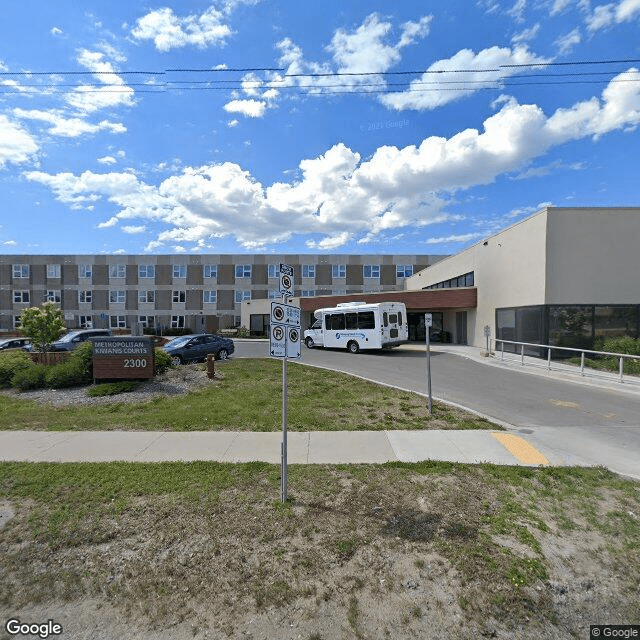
211,371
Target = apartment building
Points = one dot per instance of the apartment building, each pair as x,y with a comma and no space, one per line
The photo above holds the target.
201,292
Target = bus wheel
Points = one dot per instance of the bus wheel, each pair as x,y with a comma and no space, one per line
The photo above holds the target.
353,347
309,342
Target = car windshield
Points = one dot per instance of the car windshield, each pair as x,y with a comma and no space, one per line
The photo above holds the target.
178,342
69,336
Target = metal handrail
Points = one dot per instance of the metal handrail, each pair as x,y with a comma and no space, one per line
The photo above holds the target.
550,347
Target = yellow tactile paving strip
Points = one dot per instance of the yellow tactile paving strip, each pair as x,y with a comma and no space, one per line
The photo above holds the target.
520,448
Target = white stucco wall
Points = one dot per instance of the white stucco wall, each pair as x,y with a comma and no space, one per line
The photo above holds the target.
593,256
509,270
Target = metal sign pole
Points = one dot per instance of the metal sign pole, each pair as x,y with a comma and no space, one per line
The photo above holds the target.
427,327
285,403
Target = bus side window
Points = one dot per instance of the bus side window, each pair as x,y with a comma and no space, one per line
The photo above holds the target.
335,321
366,320
385,319
352,320
400,317
393,318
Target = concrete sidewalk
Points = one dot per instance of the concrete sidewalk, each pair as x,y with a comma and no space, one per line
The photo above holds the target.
316,447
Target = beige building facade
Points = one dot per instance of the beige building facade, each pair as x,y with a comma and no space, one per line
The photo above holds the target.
201,292
564,276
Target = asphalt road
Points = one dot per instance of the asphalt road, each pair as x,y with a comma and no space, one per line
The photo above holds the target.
577,424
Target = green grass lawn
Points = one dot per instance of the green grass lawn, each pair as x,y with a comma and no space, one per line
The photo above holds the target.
248,397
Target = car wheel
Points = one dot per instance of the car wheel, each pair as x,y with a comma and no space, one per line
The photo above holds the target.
176,360
309,342
353,347
223,354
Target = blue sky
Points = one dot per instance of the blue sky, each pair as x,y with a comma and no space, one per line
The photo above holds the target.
295,127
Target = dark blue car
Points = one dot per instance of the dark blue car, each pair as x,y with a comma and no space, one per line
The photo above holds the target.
194,348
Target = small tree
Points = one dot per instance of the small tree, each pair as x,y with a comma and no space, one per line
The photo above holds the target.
43,325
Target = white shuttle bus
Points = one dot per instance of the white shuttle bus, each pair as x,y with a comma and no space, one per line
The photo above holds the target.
359,325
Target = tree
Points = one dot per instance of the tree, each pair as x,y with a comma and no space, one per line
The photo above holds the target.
43,325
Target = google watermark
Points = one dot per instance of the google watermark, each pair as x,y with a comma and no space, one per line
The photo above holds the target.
384,124
614,631
48,629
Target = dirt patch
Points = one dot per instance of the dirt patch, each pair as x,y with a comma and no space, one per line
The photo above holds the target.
361,552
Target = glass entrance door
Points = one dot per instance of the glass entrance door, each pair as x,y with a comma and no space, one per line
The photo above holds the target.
461,327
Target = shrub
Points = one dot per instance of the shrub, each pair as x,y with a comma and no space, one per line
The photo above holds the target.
43,325
113,388
624,344
77,370
31,377
10,363
162,362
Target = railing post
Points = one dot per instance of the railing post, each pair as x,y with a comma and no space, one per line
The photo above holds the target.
582,363
502,358
621,367
549,359
522,354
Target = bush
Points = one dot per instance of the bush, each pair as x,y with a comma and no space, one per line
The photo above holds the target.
113,388
77,370
624,344
162,362
31,377
10,363
43,325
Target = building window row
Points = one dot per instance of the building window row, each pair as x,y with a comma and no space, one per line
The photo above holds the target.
465,280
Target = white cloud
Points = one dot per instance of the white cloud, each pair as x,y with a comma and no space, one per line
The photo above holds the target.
453,239
56,31
9,243
605,15
443,83
113,93
517,11
68,127
249,108
107,160
567,42
132,229
17,145
527,34
339,197
169,31
233,123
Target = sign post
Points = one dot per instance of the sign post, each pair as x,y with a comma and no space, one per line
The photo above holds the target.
428,323
285,343
487,333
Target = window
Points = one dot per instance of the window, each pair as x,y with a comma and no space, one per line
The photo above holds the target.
85,296
117,271
53,271
147,271
339,270
118,322
308,293
179,270
274,295
335,321
85,270
85,322
209,297
21,296
16,322
20,270
53,295
243,271
210,271
404,270
116,297
147,322
146,296
179,296
465,280
274,270
339,292
371,270
308,270
243,295
177,322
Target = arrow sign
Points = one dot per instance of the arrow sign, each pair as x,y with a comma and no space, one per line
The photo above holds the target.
284,341
286,279
287,314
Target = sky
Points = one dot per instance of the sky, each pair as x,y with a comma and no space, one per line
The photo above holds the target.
256,126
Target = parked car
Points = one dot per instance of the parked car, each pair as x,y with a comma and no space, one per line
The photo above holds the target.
194,348
71,340
16,343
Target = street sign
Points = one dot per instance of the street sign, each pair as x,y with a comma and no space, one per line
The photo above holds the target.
428,319
284,342
287,314
487,330
286,280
